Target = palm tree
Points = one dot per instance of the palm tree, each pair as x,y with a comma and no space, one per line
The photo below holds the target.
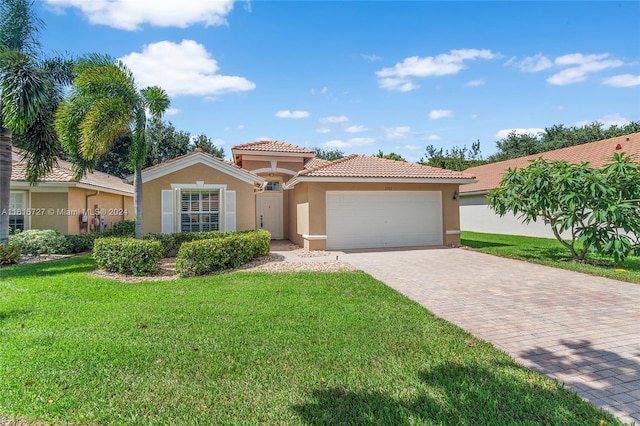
28,90
104,104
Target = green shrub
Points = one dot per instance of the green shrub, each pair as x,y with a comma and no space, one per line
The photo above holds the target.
82,242
172,242
39,241
128,255
228,250
124,228
9,254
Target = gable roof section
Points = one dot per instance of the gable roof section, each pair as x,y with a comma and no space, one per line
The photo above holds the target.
196,157
272,146
62,175
597,154
364,168
315,162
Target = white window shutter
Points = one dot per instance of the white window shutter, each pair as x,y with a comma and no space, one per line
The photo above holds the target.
230,210
167,211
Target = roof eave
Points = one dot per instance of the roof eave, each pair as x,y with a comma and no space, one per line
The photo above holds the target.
235,152
298,179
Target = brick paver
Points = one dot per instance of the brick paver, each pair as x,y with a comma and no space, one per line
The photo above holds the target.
582,330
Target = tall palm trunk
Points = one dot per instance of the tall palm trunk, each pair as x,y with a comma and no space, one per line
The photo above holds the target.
5,182
137,200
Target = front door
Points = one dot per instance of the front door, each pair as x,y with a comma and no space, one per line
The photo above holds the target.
269,213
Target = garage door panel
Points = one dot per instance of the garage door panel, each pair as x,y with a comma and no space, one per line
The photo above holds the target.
369,219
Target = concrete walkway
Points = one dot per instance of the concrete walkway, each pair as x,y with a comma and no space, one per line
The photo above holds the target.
582,330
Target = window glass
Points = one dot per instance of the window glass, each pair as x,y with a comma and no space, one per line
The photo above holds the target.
199,210
273,186
17,207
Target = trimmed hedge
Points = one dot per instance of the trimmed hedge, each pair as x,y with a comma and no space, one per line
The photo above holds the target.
172,242
39,241
128,255
227,250
124,228
9,254
82,242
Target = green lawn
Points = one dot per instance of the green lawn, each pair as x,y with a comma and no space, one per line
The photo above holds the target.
549,252
248,348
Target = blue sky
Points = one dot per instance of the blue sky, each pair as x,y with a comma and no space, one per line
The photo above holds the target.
363,76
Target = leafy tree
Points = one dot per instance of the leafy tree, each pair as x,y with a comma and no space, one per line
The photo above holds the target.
165,142
457,159
390,156
515,145
556,137
598,207
30,89
328,154
205,143
105,103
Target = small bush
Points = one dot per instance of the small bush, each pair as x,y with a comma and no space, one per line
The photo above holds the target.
229,250
172,242
9,255
124,228
82,242
39,241
128,255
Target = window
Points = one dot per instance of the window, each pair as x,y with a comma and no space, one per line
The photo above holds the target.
17,207
199,210
273,186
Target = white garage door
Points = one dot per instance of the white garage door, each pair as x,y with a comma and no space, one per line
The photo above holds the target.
369,219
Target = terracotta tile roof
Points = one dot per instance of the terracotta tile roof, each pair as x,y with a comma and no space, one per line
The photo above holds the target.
272,146
63,173
364,166
596,153
315,162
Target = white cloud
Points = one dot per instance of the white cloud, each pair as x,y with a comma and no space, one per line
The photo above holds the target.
263,138
131,14
474,83
323,130
371,58
607,121
334,119
172,111
412,147
533,63
399,76
399,132
182,69
437,114
623,80
579,66
292,114
355,129
433,138
518,131
336,143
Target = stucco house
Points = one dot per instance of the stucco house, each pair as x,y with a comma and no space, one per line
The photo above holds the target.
354,202
61,202
475,214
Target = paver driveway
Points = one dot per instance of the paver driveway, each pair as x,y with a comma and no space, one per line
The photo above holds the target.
579,329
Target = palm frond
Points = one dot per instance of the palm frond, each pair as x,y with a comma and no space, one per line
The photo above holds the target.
156,99
107,119
24,90
19,26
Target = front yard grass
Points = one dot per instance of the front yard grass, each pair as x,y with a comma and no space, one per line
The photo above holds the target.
548,251
252,348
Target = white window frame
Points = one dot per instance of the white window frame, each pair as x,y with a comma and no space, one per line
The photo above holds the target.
199,187
26,222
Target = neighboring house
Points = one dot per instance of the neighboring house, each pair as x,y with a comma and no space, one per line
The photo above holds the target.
354,202
59,201
475,214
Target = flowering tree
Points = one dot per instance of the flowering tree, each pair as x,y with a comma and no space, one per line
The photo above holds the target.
600,208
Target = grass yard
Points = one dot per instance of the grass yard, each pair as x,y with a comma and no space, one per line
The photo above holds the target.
549,252
249,348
